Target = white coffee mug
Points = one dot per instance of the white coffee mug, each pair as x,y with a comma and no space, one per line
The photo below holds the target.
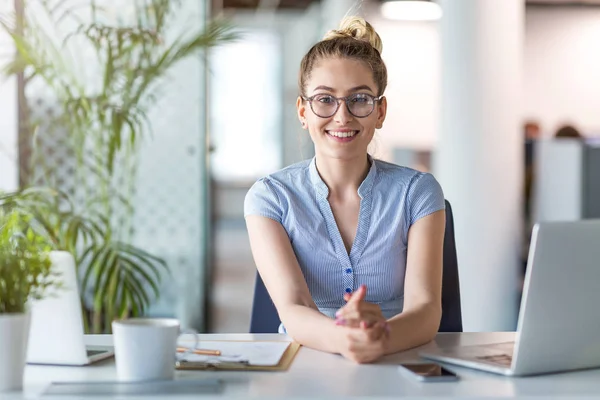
146,348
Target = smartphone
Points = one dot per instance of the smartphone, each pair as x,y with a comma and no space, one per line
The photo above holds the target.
428,372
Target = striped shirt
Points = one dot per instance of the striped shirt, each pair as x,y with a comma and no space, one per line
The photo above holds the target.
392,199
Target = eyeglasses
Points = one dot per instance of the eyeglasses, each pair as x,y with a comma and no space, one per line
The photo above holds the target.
360,105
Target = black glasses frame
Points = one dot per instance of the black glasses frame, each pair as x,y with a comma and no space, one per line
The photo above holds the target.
339,100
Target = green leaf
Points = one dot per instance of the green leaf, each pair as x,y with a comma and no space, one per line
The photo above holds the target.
137,306
146,277
97,254
108,268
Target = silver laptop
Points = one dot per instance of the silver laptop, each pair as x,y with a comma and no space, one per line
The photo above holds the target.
56,332
559,320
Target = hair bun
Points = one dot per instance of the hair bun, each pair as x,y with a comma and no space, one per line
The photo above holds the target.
357,28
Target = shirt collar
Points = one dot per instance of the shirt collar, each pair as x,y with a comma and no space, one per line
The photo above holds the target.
323,191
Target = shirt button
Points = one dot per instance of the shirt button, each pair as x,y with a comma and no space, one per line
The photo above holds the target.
348,270
348,290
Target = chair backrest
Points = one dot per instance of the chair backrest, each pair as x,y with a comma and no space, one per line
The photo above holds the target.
451,311
264,318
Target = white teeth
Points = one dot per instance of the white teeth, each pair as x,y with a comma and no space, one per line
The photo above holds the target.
342,134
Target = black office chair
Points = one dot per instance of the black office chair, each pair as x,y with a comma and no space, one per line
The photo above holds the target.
264,318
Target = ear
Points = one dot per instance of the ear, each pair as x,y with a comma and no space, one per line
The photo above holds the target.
301,107
381,112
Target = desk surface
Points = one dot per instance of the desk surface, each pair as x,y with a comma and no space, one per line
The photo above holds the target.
318,374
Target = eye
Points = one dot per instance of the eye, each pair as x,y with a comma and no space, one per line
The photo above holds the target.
325,99
361,98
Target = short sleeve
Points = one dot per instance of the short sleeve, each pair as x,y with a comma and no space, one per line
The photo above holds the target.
425,196
262,200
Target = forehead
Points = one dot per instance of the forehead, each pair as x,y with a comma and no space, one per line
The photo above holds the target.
341,74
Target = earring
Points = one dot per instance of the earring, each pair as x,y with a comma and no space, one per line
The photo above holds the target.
303,125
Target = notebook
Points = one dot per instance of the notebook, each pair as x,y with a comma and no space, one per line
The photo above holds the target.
246,355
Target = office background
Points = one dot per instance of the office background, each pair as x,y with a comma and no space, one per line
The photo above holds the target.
222,123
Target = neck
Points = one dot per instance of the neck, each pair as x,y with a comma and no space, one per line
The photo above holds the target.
343,177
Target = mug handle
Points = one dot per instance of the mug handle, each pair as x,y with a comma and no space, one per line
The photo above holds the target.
189,350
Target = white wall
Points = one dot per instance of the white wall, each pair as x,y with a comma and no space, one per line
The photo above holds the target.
8,115
411,51
562,67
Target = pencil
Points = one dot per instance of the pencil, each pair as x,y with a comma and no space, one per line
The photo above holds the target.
202,352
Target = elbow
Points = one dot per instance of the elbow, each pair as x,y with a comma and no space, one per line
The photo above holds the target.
435,316
288,315
431,319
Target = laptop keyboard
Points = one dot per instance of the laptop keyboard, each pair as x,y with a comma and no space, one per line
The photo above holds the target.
499,354
503,359
507,347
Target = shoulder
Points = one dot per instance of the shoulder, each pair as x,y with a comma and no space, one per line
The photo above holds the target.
281,184
291,178
290,174
419,192
271,195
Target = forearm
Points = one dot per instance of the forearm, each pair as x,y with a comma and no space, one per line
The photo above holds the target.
413,328
310,328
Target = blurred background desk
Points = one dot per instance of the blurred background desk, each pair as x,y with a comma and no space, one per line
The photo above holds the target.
317,374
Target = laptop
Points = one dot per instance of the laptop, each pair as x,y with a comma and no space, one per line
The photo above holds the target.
559,319
56,331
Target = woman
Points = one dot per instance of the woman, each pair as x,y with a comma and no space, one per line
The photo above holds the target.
349,247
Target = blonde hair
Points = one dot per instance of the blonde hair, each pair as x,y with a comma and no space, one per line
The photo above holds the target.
355,39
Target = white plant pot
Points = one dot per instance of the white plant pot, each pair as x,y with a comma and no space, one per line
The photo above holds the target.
14,334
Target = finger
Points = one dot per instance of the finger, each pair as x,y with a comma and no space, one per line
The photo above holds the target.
366,321
348,296
372,330
348,323
353,299
364,338
369,330
355,323
360,315
359,295
378,330
352,310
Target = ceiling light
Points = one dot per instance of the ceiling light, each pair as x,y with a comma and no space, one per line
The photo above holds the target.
411,10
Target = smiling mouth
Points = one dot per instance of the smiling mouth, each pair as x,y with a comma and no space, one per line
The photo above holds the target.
344,134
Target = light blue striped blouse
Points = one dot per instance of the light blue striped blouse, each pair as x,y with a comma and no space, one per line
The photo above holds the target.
392,199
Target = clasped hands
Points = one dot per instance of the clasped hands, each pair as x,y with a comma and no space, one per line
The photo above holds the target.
364,330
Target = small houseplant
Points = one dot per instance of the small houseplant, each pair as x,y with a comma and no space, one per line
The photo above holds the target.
25,275
122,279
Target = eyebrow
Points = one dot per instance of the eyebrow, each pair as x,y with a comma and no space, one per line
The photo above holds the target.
361,87
354,89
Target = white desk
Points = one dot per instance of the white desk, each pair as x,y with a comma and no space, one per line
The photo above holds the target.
317,374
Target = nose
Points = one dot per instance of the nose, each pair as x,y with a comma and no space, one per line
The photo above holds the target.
342,115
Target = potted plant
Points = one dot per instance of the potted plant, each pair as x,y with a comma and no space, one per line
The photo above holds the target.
25,275
105,117
121,278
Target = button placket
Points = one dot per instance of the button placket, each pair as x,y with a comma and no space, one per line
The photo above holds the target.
348,278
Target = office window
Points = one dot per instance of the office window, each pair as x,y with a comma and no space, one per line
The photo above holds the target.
246,107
